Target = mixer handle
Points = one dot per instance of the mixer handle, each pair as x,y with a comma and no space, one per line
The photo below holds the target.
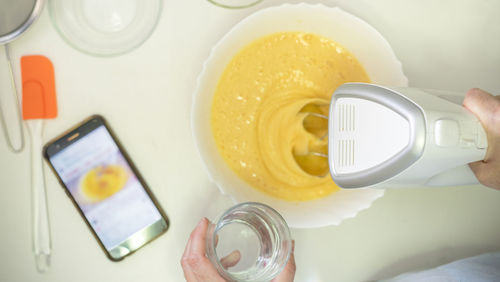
457,176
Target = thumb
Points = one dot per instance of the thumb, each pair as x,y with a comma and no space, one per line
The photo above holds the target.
485,107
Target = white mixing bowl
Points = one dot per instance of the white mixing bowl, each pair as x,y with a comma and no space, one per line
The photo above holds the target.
369,47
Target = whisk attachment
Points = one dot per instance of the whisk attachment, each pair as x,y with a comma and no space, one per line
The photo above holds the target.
315,160
316,124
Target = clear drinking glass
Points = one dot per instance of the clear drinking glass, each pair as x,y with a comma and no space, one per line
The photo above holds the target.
261,236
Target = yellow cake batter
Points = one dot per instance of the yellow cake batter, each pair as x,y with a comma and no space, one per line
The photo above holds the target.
260,111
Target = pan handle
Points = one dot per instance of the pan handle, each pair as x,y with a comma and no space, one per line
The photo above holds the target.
18,112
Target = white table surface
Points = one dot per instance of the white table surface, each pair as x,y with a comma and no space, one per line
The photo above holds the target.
146,96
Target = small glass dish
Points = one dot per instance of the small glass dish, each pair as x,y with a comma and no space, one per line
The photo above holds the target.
234,4
105,27
258,235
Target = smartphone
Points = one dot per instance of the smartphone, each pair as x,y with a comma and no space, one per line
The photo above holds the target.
106,188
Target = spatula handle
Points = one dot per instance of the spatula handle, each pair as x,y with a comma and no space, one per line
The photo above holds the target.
41,229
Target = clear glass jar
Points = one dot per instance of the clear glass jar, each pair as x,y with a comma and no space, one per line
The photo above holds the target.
260,235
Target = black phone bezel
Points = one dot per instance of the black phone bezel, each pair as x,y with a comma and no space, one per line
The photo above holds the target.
82,129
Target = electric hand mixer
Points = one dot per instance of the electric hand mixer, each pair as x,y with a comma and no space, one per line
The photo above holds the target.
397,137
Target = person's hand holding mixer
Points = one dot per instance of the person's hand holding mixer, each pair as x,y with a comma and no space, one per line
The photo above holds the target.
486,107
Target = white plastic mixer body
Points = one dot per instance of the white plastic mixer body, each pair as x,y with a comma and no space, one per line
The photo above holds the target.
401,137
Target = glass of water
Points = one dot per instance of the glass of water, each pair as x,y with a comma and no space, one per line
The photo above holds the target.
258,233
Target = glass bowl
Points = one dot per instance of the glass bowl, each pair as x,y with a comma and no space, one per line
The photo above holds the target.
234,4
105,27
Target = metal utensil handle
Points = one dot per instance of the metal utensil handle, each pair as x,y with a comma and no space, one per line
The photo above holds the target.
16,98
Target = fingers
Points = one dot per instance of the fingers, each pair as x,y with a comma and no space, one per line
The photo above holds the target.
231,260
485,107
478,169
197,238
196,266
487,173
195,248
288,272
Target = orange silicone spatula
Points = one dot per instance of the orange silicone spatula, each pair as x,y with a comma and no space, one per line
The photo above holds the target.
38,103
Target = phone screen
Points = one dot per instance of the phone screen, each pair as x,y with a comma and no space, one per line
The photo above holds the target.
105,187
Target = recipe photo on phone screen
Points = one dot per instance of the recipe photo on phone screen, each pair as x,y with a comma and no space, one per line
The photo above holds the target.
105,188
